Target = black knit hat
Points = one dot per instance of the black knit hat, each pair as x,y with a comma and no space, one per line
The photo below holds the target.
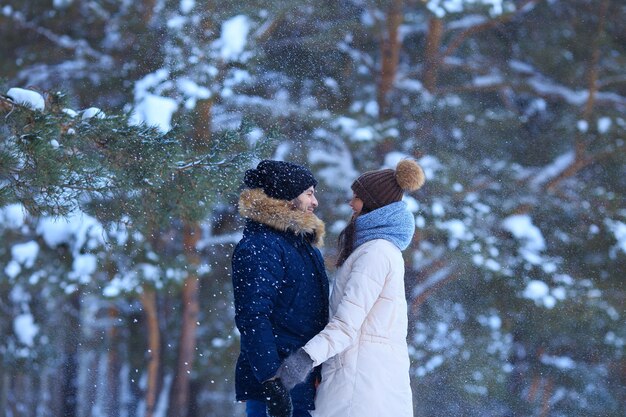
281,180
386,186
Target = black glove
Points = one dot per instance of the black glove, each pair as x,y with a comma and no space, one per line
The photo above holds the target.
277,399
295,369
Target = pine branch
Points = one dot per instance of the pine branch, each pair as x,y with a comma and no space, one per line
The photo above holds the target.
204,162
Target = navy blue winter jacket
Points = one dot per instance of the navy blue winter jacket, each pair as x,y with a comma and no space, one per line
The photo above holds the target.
281,292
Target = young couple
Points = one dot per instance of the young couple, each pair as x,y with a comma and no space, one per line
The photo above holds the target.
288,324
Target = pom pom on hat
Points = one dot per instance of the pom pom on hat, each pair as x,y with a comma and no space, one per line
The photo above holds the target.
409,175
385,186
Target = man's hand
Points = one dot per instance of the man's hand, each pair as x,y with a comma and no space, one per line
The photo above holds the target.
277,399
295,369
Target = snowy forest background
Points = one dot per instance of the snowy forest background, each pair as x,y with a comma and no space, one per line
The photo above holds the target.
126,126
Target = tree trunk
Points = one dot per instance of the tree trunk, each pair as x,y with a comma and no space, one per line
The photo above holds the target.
148,11
180,391
136,325
431,55
582,159
112,404
69,390
179,395
148,300
547,396
203,121
5,389
390,56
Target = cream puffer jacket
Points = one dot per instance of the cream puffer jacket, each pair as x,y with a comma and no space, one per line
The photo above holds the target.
363,348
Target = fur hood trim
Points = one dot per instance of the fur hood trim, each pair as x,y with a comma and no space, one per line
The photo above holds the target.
255,205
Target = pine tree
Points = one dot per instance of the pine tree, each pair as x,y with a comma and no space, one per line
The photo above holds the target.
154,183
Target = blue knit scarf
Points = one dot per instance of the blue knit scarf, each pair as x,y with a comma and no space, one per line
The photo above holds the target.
392,222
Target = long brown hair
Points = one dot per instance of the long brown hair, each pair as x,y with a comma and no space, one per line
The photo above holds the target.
347,237
345,242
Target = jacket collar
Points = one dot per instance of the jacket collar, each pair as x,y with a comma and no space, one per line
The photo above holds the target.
255,205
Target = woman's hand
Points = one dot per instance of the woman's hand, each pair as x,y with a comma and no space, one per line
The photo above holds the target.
295,369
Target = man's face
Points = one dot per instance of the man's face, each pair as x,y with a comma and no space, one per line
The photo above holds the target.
305,201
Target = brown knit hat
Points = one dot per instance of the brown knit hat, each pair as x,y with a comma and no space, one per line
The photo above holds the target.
385,186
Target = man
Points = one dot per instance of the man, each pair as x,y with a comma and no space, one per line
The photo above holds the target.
280,285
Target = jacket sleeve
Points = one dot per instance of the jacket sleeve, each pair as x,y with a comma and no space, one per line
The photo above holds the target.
363,287
257,276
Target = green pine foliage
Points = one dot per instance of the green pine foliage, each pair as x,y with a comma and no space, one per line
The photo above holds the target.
54,163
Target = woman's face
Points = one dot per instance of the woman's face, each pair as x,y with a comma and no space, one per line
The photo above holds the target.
357,204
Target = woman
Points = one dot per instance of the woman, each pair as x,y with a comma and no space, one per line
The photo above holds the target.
363,347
